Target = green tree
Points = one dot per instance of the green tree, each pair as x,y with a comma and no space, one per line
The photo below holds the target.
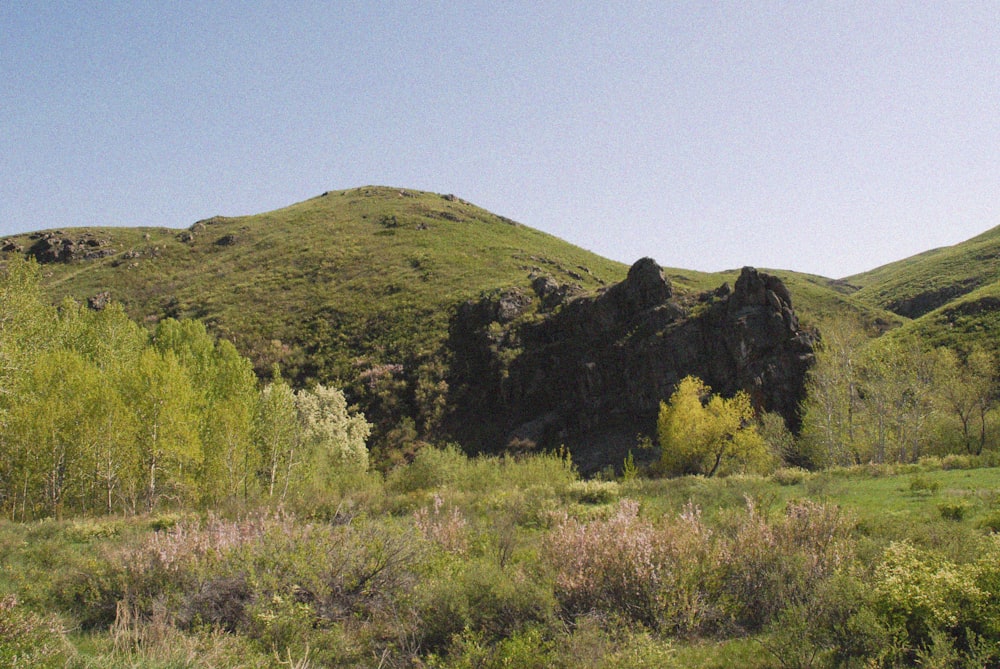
703,433
26,321
832,404
964,390
276,434
165,405
225,401
227,421
894,377
334,437
54,430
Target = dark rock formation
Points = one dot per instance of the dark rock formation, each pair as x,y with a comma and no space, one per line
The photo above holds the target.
51,247
594,371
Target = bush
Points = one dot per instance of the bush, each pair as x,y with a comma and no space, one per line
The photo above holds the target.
480,595
626,566
790,476
593,492
991,523
953,510
769,566
431,468
28,639
923,485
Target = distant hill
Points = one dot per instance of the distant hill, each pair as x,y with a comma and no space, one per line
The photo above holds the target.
920,284
315,286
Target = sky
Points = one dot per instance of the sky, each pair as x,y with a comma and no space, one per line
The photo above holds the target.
822,137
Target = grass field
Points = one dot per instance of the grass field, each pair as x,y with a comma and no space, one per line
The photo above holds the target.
466,532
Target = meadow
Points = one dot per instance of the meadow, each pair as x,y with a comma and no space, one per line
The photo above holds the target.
453,561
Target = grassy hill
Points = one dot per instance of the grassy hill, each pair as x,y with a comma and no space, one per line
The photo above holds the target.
373,271
368,273
920,284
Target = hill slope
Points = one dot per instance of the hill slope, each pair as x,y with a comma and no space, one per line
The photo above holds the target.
920,284
372,271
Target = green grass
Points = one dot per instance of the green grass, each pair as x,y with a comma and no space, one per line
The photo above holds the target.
503,506
939,276
370,272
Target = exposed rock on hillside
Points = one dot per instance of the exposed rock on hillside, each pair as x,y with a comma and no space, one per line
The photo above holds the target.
48,247
594,370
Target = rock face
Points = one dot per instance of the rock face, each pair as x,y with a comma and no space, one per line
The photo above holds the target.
594,370
50,247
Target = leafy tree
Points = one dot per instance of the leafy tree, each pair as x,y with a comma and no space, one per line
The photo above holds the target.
832,404
225,402
53,430
964,390
702,433
26,321
334,437
230,400
276,434
894,378
867,400
164,403
108,338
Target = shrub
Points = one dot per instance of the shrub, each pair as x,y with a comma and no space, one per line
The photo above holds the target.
769,566
28,639
447,529
430,469
991,523
593,492
923,485
628,567
790,476
956,461
480,595
955,510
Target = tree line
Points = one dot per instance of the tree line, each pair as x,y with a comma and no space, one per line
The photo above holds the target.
884,400
99,415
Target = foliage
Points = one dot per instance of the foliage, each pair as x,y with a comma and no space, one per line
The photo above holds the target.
702,433
99,416
889,400
28,639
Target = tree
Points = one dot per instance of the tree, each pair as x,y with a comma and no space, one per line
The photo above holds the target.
26,321
894,381
833,401
54,430
229,394
276,433
165,406
964,389
334,437
702,433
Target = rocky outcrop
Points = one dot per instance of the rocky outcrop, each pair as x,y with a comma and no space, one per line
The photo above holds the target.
48,247
595,370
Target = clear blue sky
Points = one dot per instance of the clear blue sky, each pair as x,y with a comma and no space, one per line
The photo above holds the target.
828,137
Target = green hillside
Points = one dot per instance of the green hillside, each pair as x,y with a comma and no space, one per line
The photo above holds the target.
920,284
371,271
367,275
